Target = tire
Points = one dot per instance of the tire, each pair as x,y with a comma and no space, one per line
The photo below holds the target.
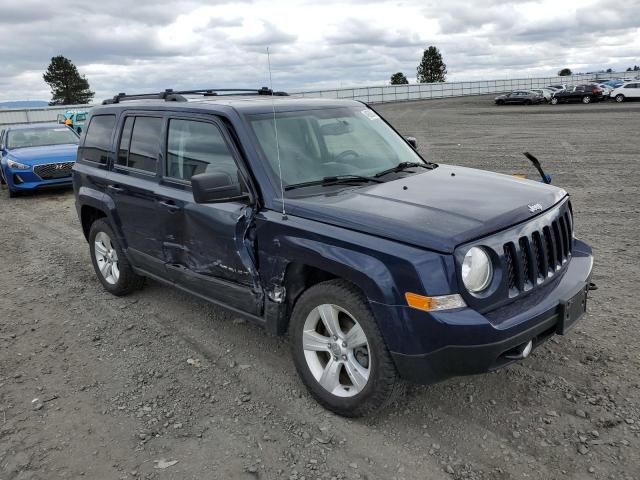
619,98
119,278
554,101
586,99
331,360
499,102
528,102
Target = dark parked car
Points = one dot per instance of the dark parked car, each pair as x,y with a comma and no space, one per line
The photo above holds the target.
519,97
316,218
579,93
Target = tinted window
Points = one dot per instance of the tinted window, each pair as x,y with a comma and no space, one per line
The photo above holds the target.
97,142
631,85
140,146
197,147
125,140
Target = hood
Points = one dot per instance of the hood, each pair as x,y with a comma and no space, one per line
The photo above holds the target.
438,209
46,154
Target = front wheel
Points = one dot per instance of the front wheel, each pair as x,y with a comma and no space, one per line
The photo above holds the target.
111,265
554,101
586,99
339,352
620,98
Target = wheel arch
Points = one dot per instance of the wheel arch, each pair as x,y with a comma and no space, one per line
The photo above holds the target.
92,204
88,215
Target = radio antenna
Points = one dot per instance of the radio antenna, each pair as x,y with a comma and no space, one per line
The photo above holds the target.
275,129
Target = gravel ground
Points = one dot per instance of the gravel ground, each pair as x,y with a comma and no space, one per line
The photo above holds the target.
162,385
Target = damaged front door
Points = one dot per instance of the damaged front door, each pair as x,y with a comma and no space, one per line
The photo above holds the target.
206,246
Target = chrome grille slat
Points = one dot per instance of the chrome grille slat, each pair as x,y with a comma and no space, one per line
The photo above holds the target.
51,171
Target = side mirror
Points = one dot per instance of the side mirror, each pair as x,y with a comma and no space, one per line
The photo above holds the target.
412,141
215,187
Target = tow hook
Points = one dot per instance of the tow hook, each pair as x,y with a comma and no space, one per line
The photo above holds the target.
520,352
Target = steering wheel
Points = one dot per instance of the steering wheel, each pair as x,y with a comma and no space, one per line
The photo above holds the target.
346,154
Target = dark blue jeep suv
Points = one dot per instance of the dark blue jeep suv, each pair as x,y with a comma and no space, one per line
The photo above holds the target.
316,218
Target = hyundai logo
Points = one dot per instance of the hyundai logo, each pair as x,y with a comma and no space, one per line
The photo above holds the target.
536,207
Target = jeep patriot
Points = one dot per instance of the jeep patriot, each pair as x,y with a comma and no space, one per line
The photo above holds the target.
316,219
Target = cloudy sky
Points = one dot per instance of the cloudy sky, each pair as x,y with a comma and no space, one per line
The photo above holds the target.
147,45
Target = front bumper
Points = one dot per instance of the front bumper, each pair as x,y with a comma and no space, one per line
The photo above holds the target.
27,180
466,342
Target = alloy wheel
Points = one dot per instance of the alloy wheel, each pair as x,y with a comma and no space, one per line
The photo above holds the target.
619,98
336,350
106,258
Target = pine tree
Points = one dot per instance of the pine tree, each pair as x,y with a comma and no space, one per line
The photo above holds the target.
399,79
68,87
432,68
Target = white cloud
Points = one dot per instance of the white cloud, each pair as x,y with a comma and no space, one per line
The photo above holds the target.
148,45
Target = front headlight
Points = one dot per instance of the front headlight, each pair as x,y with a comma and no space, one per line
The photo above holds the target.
16,165
477,270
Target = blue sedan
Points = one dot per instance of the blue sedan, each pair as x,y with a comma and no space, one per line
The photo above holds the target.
37,156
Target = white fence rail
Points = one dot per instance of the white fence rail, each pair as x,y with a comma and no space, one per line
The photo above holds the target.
425,91
375,94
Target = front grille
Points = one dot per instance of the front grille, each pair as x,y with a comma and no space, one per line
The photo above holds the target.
51,171
539,255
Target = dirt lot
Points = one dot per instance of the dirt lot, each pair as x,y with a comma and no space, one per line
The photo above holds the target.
100,387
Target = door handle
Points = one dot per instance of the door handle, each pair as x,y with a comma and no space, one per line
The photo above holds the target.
115,188
169,205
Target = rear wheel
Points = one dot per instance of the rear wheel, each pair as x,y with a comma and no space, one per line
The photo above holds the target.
527,102
339,352
499,102
586,99
111,265
554,101
620,98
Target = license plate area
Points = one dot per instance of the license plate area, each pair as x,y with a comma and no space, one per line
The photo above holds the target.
572,309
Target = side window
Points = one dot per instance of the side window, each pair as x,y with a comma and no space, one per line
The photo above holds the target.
140,143
125,140
97,142
195,147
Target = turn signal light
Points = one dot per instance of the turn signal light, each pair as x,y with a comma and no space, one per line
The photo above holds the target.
429,304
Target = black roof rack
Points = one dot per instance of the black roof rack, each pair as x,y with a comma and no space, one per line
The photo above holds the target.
170,95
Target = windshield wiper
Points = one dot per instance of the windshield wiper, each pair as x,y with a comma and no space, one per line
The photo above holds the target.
334,180
402,166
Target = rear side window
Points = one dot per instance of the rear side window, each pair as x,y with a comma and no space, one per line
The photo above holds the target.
197,147
140,143
97,142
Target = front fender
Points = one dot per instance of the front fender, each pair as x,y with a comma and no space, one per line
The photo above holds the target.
384,270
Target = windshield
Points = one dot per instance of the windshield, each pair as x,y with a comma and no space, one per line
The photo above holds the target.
39,137
315,144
